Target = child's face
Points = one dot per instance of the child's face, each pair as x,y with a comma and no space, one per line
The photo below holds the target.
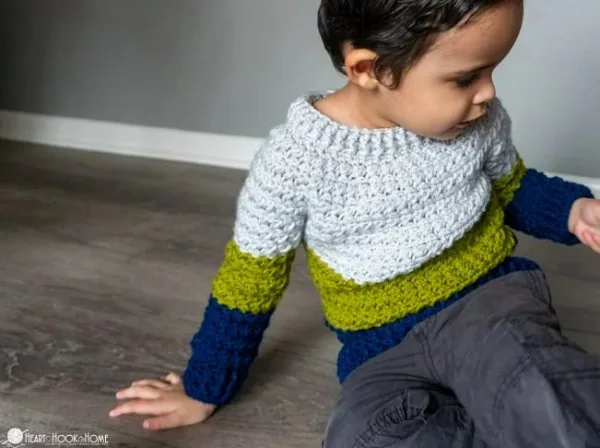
452,83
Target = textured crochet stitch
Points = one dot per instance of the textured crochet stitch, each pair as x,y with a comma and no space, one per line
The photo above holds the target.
396,227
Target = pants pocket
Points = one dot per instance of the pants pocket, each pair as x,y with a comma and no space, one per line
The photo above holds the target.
415,419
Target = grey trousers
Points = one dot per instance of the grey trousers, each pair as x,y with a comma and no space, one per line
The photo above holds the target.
492,370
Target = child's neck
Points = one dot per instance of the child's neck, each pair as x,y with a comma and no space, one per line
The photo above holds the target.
352,106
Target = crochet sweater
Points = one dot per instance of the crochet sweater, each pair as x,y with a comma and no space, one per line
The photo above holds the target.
395,226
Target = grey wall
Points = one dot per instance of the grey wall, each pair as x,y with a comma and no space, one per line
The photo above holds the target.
233,66
551,85
225,66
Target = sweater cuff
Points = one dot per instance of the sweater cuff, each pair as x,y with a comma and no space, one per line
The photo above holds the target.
542,205
222,351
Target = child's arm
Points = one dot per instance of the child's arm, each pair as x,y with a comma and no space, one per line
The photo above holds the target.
252,278
249,284
534,203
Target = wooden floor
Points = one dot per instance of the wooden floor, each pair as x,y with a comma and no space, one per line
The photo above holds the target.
105,269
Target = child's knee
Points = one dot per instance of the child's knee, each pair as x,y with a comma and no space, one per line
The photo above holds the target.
552,402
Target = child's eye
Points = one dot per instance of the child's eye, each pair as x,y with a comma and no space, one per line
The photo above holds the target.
466,81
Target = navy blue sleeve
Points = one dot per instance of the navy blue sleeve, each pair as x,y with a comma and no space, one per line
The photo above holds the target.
222,351
542,205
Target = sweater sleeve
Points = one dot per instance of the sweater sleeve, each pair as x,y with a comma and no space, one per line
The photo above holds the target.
253,276
534,203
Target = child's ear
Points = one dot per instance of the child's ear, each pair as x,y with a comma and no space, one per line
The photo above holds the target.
360,68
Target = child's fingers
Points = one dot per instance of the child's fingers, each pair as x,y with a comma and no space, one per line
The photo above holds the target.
585,237
143,392
592,239
152,383
147,407
173,378
596,237
181,417
172,420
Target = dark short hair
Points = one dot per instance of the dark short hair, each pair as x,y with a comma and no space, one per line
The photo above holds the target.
398,31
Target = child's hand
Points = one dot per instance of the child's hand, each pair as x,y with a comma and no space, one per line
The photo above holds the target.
164,398
584,222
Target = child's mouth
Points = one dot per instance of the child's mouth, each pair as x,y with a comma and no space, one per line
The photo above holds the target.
466,124
463,125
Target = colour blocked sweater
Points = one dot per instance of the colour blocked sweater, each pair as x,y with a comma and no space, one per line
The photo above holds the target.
395,226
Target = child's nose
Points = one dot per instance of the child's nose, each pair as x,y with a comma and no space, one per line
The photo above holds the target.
486,94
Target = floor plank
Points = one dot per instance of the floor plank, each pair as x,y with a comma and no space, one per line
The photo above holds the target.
105,267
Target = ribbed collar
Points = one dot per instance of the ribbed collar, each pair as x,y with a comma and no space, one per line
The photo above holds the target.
314,129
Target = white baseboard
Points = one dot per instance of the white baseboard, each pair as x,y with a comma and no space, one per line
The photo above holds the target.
151,142
132,140
593,183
